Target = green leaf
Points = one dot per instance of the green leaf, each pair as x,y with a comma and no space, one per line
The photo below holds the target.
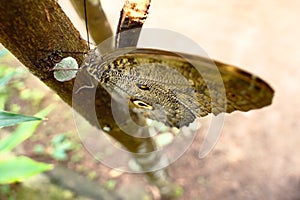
3,99
61,145
5,79
58,139
59,154
38,149
9,119
22,132
17,169
110,184
6,75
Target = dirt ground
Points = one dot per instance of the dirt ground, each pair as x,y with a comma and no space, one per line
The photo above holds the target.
256,156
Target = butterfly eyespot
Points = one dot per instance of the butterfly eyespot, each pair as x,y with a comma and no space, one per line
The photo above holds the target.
141,104
142,87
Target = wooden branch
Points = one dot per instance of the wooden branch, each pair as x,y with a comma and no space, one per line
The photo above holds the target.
132,18
35,32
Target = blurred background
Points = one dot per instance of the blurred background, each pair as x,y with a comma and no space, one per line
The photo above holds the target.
257,156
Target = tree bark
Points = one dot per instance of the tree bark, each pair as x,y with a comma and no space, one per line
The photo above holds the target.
39,34
132,18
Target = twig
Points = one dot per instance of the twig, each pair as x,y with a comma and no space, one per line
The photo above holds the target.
132,18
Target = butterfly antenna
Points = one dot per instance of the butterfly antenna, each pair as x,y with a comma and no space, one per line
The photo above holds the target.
86,24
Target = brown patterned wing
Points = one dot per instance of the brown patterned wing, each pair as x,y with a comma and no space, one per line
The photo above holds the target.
244,91
176,88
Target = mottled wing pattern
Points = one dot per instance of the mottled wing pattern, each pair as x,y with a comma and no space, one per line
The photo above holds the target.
175,89
244,91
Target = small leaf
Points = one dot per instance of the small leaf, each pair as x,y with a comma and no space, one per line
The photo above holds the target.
22,132
5,79
3,99
61,145
110,184
38,149
14,108
57,139
17,169
9,119
59,154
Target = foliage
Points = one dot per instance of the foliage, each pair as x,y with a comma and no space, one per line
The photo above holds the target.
22,132
110,184
10,119
61,144
17,168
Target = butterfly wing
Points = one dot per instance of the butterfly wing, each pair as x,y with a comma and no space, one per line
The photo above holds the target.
177,88
244,91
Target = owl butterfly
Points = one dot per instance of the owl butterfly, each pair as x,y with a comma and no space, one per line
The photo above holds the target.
175,89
